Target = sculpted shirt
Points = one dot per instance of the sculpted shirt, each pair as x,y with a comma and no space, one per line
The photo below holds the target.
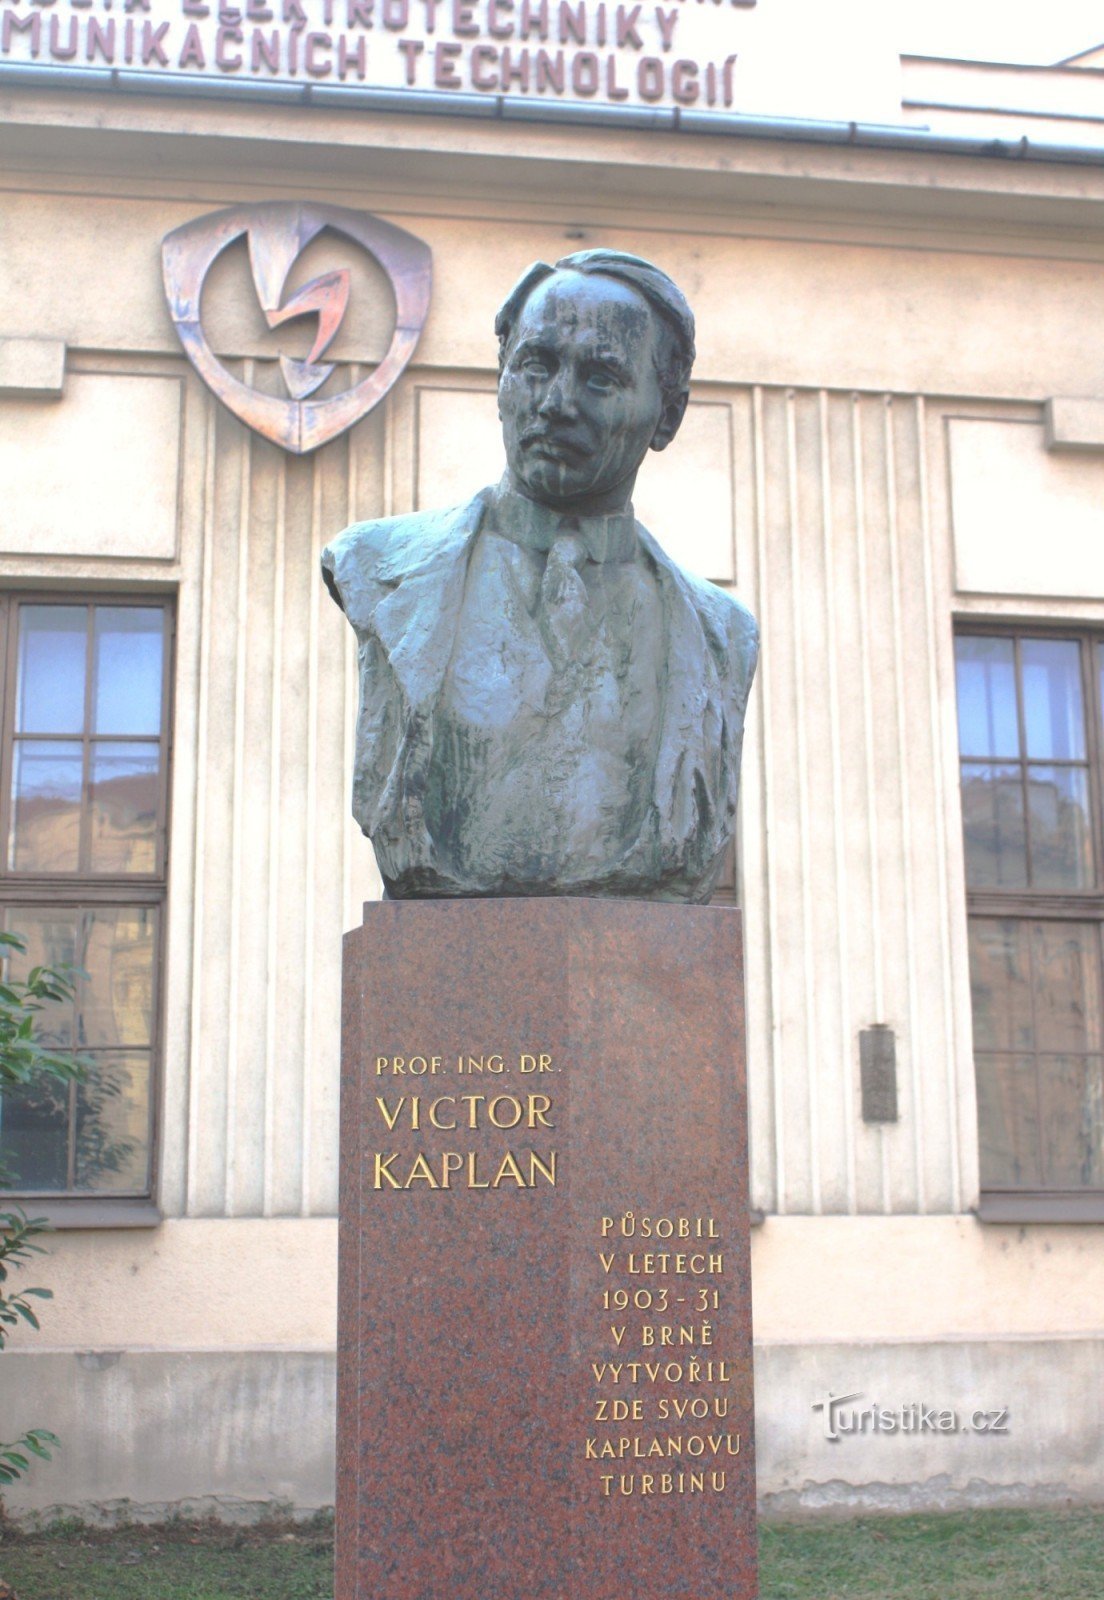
548,705
546,730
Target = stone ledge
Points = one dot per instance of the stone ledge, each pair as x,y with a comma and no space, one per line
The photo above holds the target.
32,368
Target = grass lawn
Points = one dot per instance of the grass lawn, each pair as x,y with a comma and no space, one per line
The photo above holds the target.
175,1561
984,1555
971,1555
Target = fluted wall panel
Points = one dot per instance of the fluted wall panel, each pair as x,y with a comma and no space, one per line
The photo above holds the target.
276,859
848,869
848,849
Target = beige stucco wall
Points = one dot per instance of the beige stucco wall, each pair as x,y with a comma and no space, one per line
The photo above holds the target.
827,506
195,1364
272,1283
859,312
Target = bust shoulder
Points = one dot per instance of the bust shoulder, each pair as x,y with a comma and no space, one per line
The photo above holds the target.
370,559
730,630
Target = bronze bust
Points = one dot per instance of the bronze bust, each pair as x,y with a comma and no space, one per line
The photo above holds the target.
548,704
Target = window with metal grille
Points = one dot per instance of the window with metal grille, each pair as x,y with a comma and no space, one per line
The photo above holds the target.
84,703
1030,741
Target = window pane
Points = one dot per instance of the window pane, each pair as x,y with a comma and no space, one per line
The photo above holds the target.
1054,719
986,676
50,934
1072,1097
993,825
116,998
124,790
1000,984
1066,964
112,1134
86,717
1061,840
34,1122
128,655
49,696
46,794
1008,1132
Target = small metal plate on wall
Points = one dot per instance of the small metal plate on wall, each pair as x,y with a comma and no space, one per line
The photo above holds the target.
878,1066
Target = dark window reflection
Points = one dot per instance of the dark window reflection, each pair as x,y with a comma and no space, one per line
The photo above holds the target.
86,801
1029,773
93,1136
994,825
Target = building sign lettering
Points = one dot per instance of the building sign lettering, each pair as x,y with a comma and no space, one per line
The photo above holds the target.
681,53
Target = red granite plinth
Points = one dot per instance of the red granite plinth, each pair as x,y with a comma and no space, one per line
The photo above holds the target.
545,1381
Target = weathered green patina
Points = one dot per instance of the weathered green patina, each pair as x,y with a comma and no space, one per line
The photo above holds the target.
548,703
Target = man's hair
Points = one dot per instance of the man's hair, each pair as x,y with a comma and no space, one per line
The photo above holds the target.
675,357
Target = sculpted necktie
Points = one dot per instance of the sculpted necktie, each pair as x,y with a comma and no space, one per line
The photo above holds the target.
565,627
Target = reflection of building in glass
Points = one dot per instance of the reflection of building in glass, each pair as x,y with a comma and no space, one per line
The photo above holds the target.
84,823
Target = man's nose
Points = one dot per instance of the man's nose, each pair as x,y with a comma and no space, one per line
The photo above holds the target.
558,399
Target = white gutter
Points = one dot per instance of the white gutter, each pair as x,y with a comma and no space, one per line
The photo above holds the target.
513,108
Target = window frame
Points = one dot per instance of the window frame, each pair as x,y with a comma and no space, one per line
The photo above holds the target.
94,889
1044,1204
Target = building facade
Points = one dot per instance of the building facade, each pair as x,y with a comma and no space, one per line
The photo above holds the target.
894,453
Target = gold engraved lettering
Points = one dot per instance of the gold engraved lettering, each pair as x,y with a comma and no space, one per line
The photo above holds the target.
629,1227
420,1173
665,1333
481,1063
546,1169
698,1407
541,1063
719,1371
702,1452
451,1161
509,1169
619,1411
389,1116
415,1066
649,1263
632,1448
630,1483
503,1111
473,1163
526,1171
383,1178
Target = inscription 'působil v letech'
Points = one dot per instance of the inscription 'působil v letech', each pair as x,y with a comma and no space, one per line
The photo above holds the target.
643,1354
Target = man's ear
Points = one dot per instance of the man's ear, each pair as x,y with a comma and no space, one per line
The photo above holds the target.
670,420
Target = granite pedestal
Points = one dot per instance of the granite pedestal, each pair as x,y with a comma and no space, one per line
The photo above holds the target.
545,1381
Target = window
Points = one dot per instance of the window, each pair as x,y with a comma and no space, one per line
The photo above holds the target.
1030,740
83,795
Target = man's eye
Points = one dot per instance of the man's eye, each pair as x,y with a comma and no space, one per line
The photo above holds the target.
536,366
602,382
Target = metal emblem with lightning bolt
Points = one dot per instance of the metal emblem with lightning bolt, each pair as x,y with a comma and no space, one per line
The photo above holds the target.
277,233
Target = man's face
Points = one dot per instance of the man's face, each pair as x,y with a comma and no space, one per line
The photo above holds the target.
579,394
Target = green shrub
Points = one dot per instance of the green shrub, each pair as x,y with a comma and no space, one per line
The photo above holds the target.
22,1059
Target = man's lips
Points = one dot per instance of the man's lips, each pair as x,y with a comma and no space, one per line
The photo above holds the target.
554,445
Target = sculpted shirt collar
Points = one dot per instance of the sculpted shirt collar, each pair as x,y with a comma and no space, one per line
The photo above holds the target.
609,537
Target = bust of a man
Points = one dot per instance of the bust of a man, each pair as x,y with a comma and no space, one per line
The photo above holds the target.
548,704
